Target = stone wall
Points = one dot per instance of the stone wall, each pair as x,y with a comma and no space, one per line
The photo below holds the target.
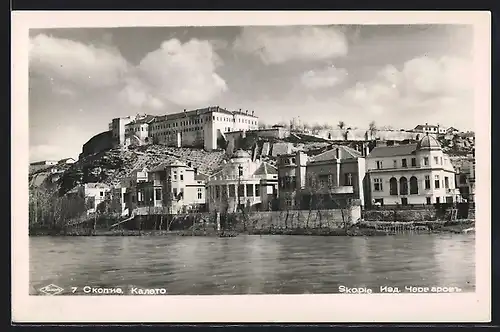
302,218
400,215
431,213
98,143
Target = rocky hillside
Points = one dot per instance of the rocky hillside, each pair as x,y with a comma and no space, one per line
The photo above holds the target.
111,166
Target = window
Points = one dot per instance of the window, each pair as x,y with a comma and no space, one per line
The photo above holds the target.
446,182
174,191
403,163
395,163
426,161
393,186
158,194
200,193
181,176
348,179
241,190
249,190
101,193
404,201
428,200
413,162
257,190
232,190
175,177
435,160
438,200
377,184
441,160
413,186
403,186
436,181
379,164
427,182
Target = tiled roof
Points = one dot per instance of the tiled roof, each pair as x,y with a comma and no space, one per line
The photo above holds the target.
345,153
422,126
265,169
390,151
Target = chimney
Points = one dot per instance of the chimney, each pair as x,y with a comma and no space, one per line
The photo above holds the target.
240,110
337,153
246,112
252,113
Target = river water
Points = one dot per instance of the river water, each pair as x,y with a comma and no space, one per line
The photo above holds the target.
252,264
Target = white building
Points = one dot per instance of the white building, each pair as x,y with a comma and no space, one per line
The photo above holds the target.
204,128
430,129
118,128
244,181
138,131
95,194
174,186
411,174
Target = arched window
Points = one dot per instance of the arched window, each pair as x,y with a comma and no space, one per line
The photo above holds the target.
393,186
403,186
413,186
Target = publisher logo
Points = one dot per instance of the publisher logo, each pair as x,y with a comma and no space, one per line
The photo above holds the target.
51,289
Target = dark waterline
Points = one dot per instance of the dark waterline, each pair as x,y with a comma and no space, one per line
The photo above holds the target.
252,264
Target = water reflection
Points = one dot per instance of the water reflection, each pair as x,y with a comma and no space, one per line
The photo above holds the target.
253,264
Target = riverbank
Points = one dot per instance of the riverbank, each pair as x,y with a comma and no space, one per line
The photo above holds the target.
363,228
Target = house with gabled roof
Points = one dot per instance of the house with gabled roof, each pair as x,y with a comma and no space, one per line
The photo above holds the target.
242,183
411,174
331,177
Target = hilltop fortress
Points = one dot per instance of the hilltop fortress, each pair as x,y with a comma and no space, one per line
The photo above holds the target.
201,128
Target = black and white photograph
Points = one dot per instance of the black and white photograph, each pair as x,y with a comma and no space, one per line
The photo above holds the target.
217,160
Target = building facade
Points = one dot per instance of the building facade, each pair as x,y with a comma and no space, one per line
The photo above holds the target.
411,174
173,188
138,131
242,182
95,195
326,180
204,128
466,179
291,178
430,129
117,128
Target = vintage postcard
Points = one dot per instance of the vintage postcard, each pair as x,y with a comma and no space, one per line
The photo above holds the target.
251,167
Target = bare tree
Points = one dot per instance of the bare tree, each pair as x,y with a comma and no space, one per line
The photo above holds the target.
341,125
372,128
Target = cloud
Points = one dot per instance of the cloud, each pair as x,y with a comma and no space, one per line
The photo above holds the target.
177,73
183,74
276,45
323,78
72,62
423,85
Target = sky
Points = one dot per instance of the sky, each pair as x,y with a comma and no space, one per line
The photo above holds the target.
395,75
